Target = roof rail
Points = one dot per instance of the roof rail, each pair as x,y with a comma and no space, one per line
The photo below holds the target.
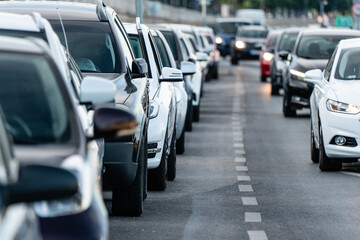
38,20
100,10
138,23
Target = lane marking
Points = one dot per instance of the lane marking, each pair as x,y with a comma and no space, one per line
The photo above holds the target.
241,168
252,217
257,235
351,174
238,145
240,160
238,139
241,152
245,188
249,201
243,178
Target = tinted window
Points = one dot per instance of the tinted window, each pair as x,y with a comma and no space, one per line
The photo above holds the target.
252,33
91,44
170,38
272,41
348,67
162,51
318,47
184,50
229,27
32,101
329,66
210,40
22,34
287,41
135,43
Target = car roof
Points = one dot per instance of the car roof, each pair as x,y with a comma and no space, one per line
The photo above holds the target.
22,45
221,20
324,32
49,9
18,22
350,43
253,27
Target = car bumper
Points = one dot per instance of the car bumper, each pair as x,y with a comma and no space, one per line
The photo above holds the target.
246,53
224,49
265,68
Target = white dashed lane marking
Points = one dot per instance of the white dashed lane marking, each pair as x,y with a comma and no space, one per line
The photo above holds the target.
240,152
241,168
243,178
245,188
249,201
257,235
240,160
238,145
351,174
252,217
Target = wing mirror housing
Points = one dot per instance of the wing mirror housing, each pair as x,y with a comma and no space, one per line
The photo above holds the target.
39,183
139,68
171,75
313,76
202,57
187,68
95,90
114,123
283,55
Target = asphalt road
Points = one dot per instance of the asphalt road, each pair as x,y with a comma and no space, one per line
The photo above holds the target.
247,174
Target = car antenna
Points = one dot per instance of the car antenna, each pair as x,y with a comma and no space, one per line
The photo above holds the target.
65,38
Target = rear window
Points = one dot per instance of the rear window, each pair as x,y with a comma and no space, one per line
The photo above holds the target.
229,27
252,33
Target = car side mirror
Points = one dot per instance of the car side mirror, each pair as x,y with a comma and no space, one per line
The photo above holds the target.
283,55
95,90
187,68
139,68
113,123
39,183
171,75
313,76
202,56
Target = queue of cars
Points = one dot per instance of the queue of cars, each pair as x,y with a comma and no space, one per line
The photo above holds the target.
90,105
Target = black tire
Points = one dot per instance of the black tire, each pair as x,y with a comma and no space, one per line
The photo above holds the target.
180,143
274,90
325,163
287,110
215,74
234,61
263,78
196,113
189,117
129,201
157,176
171,160
314,152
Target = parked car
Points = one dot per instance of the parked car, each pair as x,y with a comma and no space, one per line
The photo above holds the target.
99,44
225,30
162,126
257,16
335,108
284,46
248,43
267,54
22,185
312,50
46,130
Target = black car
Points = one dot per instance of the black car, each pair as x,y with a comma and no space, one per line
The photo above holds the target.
284,46
312,50
248,43
100,46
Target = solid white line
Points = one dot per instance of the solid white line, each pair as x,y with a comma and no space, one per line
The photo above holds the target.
252,217
241,168
243,178
257,235
240,160
249,201
245,188
351,174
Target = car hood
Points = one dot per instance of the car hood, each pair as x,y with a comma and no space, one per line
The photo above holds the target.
303,65
346,91
252,40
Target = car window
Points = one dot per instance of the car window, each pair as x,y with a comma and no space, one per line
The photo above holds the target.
202,41
170,38
92,45
209,39
22,34
32,101
287,41
272,41
162,51
135,43
192,45
125,44
184,49
155,52
348,67
229,27
252,33
329,66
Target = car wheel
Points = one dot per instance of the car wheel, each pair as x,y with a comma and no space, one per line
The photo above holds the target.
263,78
215,74
129,201
314,151
180,143
171,160
157,176
196,113
274,90
326,163
234,61
287,111
189,117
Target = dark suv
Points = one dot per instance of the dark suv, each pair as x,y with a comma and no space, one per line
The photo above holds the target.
96,38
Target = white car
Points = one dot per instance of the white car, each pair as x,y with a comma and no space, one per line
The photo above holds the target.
162,127
335,108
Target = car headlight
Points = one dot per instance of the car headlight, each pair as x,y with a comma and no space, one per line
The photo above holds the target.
218,40
297,75
154,109
340,107
268,56
240,44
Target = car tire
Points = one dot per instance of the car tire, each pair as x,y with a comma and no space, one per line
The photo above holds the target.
287,111
215,74
189,117
234,61
129,201
314,152
171,160
325,163
180,143
196,113
263,78
157,176
274,90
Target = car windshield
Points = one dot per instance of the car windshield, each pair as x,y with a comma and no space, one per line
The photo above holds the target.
348,67
22,34
287,41
252,33
318,47
32,101
91,44
170,38
229,27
